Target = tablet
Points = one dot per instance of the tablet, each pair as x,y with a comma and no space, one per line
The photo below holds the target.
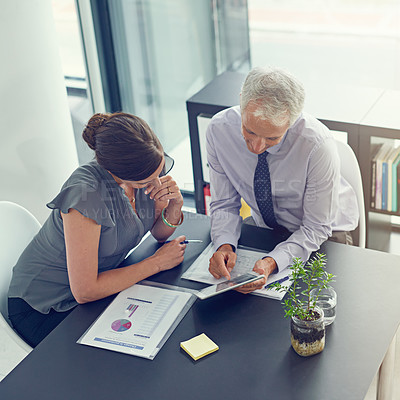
228,285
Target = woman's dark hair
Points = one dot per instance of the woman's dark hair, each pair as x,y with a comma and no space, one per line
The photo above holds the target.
124,145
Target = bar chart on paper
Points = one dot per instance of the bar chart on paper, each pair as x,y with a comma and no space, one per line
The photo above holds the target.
131,309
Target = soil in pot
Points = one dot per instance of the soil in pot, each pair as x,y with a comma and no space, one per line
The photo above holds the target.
307,337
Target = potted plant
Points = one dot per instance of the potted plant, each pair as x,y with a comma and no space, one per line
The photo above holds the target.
307,319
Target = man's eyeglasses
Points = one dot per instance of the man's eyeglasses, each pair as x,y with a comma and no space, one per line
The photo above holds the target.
169,163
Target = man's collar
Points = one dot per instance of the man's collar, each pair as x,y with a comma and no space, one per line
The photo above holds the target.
275,149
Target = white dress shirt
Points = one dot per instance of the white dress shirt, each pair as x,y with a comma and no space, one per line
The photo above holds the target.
310,197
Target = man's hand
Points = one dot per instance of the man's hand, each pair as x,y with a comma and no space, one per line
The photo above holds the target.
222,262
265,267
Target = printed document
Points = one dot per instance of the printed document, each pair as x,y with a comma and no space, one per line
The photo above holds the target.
245,261
139,320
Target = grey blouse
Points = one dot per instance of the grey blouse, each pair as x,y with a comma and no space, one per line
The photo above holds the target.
40,276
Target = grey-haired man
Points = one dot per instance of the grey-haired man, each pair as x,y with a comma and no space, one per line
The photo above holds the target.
284,164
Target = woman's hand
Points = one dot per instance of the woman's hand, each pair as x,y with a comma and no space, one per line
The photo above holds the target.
166,195
165,190
170,254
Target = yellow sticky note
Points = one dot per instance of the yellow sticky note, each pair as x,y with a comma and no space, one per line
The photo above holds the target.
199,346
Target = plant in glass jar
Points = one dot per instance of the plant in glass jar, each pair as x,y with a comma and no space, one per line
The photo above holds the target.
307,319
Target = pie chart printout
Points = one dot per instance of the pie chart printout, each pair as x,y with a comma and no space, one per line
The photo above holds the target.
121,325
139,320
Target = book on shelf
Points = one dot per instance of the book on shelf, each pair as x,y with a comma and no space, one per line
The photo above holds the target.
375,147
385,176
390,160
395,183
380,174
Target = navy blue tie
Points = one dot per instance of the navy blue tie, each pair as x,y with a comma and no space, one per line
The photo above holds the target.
262,191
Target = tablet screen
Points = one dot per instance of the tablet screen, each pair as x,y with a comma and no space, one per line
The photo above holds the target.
228,285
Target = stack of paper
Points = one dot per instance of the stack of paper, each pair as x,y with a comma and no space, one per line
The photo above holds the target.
199,346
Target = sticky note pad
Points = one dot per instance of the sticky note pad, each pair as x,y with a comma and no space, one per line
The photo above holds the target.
199,346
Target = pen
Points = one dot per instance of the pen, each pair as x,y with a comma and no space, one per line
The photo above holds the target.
188,241
278,281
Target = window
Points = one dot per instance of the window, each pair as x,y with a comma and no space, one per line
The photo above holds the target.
354,42
165,51
73,64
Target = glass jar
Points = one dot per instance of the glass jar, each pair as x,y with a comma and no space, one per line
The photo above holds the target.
327,300
308,337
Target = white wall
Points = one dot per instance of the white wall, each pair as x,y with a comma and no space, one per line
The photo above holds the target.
37,147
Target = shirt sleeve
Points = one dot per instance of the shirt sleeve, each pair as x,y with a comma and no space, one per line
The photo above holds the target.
86,200
320,204
225,200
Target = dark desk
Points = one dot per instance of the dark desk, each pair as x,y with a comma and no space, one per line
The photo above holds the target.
255,360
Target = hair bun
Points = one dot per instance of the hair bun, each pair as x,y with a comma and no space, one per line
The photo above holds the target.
92,127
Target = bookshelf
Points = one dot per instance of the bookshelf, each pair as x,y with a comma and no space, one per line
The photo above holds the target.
366,115
380,125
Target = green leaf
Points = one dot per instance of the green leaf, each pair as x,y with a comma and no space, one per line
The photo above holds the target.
305,276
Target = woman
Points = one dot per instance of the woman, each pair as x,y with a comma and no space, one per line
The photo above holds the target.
102,211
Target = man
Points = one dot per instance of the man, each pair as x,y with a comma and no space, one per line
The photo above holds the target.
284,164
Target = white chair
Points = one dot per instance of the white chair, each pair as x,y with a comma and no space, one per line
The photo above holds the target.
17,228
350,171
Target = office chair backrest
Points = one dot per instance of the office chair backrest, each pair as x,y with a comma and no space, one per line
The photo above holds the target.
350,170
17,228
